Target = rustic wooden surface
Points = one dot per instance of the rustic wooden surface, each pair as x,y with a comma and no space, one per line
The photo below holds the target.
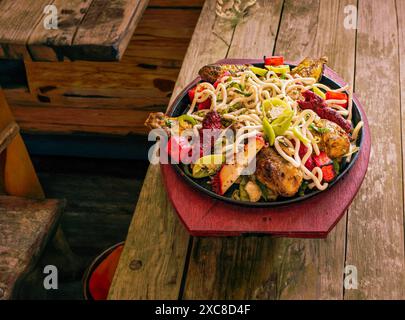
109,97
87,30
25,225
159,254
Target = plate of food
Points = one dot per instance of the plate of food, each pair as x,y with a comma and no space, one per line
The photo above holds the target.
305,127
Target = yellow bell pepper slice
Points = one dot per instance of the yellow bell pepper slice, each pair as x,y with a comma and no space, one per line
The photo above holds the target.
259,71
269,131
319,92
279,69
207,165
283,122
297,132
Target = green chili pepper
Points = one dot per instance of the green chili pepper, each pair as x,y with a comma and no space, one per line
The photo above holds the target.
283,122
269,131
279,69
297,132
186,118
259,71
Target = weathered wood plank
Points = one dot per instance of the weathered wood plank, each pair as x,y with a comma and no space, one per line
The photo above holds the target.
276,268
140,83
176,3
400,7
25,225
17,20
49,44
107,29
152,263
375,236
7,135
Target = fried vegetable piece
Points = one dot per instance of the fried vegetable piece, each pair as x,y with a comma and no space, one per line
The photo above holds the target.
156,120
213,72
310,68
334,140
277,174
317,104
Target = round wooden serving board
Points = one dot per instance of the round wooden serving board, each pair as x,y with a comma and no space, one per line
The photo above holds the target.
311,218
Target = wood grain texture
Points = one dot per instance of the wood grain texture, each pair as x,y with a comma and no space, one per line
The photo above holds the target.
107,28
375,236
177,3
25,226
49,44
157,243
17,20
278,268
152,262
108,97
87,29
400,7
7,135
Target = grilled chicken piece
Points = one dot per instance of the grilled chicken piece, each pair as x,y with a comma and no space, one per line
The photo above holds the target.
335,141
156,120
277,174
310,68
213,72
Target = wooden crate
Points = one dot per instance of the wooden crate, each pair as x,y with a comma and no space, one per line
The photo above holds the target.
111,98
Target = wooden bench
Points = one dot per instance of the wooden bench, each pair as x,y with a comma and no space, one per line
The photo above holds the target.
26,225
55,96
27,219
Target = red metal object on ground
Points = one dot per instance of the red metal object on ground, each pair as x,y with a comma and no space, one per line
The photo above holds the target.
311,218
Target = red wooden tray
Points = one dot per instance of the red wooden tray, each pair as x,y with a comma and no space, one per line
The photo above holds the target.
311,218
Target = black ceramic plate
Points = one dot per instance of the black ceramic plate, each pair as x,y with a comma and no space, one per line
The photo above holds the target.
180,107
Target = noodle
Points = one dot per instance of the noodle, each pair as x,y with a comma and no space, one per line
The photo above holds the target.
239,99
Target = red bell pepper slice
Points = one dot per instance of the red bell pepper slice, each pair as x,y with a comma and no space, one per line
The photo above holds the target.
179,148
322,159
205,104
328,173
274,61
191,94
330,95
200,106
310,164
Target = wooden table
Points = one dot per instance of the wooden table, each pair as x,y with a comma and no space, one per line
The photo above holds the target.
86,30
161,261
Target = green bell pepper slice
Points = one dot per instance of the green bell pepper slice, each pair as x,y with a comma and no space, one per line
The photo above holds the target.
186,118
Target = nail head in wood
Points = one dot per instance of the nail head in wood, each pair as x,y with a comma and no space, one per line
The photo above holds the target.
135,265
